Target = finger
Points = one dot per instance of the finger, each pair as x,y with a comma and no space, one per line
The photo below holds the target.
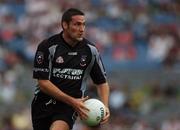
104,121
85,98
85,108
83,115
106,117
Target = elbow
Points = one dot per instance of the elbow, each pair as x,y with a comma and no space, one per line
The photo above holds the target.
43,84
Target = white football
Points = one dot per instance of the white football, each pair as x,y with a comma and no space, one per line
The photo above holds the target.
96,112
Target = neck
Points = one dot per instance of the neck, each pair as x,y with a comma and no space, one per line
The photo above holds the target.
69,40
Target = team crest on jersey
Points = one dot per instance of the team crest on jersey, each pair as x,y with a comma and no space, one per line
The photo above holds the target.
40,57
83,60
60,60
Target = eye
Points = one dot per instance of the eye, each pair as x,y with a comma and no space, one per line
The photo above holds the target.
79,24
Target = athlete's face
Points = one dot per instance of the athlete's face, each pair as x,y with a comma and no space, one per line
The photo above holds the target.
75,28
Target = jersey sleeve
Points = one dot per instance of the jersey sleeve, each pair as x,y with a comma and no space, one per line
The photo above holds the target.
98,74
41,68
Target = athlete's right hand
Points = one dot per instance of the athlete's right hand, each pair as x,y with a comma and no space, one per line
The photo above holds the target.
78,105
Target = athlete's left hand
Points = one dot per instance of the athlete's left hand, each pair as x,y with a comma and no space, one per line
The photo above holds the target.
80,108
106,117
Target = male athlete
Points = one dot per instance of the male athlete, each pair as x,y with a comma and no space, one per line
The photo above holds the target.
62,65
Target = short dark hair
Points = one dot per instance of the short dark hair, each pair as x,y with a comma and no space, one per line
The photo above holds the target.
66,17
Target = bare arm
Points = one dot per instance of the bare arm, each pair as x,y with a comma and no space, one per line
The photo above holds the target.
49,88
103,92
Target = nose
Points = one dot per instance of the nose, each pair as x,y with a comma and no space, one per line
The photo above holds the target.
82,28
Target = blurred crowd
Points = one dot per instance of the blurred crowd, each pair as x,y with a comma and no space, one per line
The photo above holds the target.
141,35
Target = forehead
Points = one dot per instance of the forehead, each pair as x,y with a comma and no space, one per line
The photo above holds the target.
78,18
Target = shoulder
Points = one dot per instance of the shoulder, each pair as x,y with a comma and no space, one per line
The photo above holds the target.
50,41
91,45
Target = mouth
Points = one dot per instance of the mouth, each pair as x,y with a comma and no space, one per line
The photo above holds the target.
81,34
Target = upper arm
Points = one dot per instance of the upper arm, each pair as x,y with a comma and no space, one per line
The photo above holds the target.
98,73
41,68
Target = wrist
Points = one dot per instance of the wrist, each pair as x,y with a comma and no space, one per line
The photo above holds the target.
71,101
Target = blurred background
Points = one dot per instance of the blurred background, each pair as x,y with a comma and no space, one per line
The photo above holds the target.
139,41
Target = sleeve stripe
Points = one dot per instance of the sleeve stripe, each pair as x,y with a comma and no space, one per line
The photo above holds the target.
98,59
52,50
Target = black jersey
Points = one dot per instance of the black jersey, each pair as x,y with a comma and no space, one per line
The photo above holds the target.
68,67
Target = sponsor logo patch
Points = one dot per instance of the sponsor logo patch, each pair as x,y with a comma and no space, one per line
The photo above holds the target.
83,60
40,57
60,60
72,53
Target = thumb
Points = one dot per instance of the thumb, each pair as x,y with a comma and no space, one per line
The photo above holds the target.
85,98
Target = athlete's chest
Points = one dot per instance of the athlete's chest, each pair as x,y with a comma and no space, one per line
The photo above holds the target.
78,58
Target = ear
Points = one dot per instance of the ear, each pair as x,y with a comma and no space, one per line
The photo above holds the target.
64,25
